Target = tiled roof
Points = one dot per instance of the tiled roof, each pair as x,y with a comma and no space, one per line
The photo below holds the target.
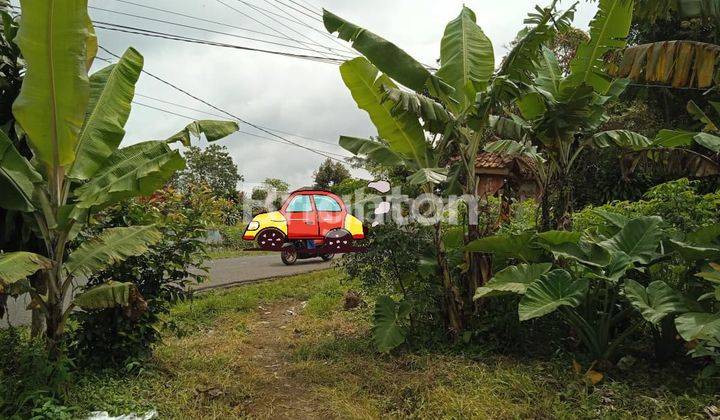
489,160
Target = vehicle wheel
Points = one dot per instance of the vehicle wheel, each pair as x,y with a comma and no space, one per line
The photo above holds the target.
339,240
327,257
289,255
271,240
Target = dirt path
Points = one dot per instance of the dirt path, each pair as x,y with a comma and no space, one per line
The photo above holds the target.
269,346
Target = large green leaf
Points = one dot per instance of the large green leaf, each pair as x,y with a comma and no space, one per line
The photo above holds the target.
136,170
621,138
522,61
387,331
386,56
467,60
608,32
371,149
695,252
15,266
639,239
433,114
514,279
549,73
212,129
655,302
50,108
111,93
554,289
111,246
698,326
428,176
107,295
708,141
522,246
673,138
17,178
403,133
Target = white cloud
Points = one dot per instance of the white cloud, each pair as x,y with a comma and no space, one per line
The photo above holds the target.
292,95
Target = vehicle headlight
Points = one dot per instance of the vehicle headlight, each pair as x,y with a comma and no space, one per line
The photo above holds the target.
253,226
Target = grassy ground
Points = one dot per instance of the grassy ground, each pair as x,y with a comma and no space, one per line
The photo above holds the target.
220,254
287,349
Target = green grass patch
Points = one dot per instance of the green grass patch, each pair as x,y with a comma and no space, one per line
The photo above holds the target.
287,348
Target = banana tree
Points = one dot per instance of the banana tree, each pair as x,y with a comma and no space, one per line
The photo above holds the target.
560,110
73,125
444,104
589,285
675,152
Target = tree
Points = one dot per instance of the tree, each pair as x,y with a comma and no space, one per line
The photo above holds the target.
73,126
330,174
214,167
277,185
453,106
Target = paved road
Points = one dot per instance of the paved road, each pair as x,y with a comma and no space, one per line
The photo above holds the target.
223,273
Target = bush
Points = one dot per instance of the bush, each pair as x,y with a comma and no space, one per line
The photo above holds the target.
108,337
31,383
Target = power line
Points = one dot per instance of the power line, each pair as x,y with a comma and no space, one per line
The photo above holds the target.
199,29
173,37
306,8
301,23
264,24
222,116
267,14
300,11
231,115
199,19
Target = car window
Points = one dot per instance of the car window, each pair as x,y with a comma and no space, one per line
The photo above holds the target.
300,204
325,203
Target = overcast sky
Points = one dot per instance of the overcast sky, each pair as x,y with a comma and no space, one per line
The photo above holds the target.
296,96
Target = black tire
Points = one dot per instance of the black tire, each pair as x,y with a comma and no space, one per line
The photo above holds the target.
271,240
339,241
289,255
327,257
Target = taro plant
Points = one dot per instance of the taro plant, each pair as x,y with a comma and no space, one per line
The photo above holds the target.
73,124
440,117
587,278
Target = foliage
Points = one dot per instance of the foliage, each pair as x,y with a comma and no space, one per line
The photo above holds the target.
212,166
31,383
73,125
109,337
330,174
388,319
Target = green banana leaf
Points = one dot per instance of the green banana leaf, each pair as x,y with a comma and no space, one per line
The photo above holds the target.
111,93
51,106
133,171
433,114
17,178
386,56
523,246
212,129
608,32
108,295
467,60
403,133
15,266
111,246
621,138
371,149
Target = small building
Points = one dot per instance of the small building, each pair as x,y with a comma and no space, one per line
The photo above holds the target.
495,171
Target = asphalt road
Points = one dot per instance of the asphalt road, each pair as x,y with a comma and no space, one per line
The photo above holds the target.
223,273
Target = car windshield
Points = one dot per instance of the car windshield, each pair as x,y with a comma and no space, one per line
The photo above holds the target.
300,204
325,203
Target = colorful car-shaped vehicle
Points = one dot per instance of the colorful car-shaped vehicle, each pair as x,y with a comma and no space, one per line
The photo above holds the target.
310,223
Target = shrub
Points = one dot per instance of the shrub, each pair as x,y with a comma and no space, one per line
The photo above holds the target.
31,384
109,337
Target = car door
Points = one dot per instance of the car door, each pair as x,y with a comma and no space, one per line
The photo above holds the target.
330,212
301,218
